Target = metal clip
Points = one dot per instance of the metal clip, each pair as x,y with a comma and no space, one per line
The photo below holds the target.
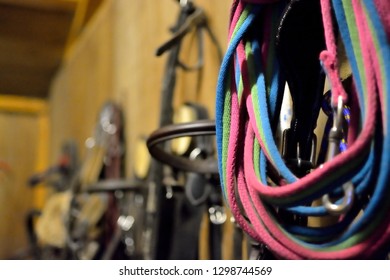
294,158
336,132
346,203
335,137
304,163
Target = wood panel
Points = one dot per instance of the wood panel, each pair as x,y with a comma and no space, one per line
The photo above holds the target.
33,37
24,146
19,149
48,5
83,84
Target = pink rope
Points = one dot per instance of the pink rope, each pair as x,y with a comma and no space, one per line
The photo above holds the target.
247,194
329,56
383,8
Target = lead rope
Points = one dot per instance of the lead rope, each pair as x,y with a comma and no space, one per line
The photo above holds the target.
248,85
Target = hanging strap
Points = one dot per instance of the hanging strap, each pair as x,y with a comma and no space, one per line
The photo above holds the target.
250,81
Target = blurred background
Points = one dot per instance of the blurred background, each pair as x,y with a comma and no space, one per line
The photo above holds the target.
60,60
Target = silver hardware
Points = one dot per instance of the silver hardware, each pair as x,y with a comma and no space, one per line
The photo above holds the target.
90,143
217,215
335,137
346,203
195,153
125,222
184,3
169,193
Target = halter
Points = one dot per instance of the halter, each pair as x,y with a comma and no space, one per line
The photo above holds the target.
250,83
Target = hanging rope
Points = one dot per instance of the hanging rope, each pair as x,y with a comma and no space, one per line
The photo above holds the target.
248,88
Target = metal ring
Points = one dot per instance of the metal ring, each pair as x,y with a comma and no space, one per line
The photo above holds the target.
346,203
196,128
195,153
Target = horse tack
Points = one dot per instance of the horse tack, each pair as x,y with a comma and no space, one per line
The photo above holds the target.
197,128
86,239
245,102
191,154
200,191
299,41
171,198
155,237
201,188
58,176
123,237
196,187
187,201
45,228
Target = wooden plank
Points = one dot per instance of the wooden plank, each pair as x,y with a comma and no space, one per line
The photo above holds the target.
32,55
16,104
78,21
30,84
50,5
32,43
38,108
85,9
42,159
18,143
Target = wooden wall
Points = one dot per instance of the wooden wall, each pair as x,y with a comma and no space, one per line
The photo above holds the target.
82,84
24,146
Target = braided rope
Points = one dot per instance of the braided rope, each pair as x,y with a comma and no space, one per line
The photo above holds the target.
248,86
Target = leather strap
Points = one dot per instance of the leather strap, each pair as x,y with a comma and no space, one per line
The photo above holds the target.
197,128
186,222
113,185
156,238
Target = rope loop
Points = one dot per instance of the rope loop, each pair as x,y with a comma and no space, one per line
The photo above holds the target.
266,198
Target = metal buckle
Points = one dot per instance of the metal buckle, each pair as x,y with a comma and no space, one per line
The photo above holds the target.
296,162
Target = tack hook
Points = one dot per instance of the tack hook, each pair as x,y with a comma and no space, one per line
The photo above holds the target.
335,138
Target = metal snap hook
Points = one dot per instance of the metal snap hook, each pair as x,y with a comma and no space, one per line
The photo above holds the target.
336,132
346,203
335,137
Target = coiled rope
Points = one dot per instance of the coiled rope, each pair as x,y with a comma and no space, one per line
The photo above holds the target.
249,84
